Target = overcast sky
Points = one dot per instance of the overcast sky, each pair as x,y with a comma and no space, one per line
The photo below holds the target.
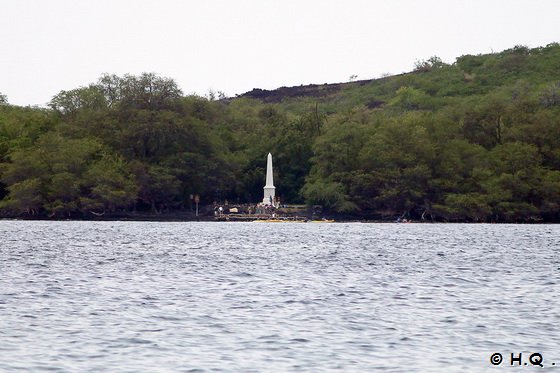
234,46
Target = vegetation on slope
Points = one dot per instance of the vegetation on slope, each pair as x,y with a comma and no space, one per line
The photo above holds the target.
477,140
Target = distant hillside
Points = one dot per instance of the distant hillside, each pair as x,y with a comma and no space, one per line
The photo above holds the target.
310,90
477,140
469,75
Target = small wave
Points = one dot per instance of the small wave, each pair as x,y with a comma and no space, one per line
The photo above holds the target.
37,265
300,340
269,336
167,318
134,341
243,274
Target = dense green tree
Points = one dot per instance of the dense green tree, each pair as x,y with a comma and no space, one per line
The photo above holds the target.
109,185
147,91
52,170
431,63
478,140
70,103
336,158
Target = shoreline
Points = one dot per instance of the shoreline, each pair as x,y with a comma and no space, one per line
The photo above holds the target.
211,220
283,216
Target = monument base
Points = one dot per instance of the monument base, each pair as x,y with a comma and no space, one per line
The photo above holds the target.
269,193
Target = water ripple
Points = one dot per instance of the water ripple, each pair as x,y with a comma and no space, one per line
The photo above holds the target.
202,297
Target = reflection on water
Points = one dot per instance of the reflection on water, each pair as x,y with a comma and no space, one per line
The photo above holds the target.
144,296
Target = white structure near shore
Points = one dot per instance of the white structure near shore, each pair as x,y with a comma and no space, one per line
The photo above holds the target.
269,189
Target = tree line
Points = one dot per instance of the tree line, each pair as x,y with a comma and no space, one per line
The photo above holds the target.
476,140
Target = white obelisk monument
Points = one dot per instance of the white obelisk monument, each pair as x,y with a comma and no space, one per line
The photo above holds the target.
269,189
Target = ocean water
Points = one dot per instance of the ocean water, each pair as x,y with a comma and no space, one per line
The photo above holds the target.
270,297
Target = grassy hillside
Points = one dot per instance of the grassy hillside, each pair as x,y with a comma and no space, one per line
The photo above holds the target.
469,75
477,140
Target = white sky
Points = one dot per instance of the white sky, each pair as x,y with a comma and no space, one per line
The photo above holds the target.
234,46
